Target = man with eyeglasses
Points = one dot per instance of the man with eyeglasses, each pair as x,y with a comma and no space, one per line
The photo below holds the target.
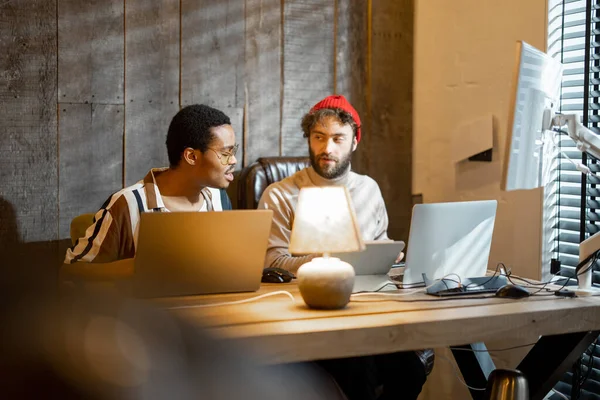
333,131
201,148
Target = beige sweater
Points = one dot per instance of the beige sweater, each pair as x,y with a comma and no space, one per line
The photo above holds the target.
282,196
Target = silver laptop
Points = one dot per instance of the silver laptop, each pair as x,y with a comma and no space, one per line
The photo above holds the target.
449,238
188,253
373,264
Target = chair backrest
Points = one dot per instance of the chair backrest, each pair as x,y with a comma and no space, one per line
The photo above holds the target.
255,178
79,224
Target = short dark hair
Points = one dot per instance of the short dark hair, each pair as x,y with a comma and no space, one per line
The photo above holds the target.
190,127
310,120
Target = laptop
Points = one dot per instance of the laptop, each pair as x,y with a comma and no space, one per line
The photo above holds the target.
372,265
449,238
191,253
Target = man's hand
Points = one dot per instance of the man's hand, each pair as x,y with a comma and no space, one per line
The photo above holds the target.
400,257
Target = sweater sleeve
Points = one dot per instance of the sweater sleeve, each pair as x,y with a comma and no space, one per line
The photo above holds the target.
382,218
278,254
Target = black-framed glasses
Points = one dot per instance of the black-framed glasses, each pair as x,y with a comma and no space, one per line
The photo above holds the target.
225,156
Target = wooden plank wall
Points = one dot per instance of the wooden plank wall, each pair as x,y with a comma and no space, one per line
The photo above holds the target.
28,142
308,66
389,142
212,58
152,82
352,67
89,89
262,79
91,108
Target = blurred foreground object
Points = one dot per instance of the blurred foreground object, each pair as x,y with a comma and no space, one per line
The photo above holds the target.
105,347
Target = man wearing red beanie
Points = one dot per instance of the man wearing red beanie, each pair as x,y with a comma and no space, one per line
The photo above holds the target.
332,127
333,131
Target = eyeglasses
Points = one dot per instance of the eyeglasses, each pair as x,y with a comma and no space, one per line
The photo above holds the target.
225,156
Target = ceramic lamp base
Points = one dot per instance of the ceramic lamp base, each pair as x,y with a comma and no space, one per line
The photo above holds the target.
326,282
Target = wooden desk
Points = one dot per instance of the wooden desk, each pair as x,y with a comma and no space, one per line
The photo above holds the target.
281,331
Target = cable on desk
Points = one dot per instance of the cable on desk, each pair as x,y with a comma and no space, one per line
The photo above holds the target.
489,280
398,297
227,303
381,287
421,285
537,285
366,293
552,291
443,357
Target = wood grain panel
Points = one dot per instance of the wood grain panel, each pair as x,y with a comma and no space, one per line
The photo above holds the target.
90,51
212,52
281,331
91,161
305,340
351,55
263,78
280,308
389,143
151,83
237,123
308,64
28,134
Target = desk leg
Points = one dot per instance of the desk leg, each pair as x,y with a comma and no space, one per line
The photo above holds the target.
550,358
475,366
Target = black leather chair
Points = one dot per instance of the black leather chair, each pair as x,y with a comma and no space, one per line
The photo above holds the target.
255,178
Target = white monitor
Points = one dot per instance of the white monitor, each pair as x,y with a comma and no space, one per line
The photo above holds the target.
535,95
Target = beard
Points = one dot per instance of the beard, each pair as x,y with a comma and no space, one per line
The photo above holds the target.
330,171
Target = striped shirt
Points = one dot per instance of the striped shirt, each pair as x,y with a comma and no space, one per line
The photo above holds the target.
282,196
113,235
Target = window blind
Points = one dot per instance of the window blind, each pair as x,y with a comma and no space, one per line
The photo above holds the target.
574,39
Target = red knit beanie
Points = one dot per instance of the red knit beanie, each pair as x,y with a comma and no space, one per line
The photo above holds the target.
339,102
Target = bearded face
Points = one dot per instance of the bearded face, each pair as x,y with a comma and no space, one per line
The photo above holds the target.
331,145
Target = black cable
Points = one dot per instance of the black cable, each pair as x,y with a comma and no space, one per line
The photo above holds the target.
593,257
429,300
553,291
489,280
400,285
422,285
590,365
510,277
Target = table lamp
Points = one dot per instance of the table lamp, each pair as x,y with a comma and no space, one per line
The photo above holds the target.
325,223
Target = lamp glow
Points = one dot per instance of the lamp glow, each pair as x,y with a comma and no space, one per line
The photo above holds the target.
325,222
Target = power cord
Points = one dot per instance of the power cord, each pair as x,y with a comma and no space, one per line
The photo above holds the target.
227,303
398,296
538,284
494,350
456,372
422,284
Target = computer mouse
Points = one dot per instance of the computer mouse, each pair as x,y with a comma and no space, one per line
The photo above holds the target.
512,292
276,275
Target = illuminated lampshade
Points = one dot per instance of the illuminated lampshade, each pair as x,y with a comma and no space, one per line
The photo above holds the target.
324,223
